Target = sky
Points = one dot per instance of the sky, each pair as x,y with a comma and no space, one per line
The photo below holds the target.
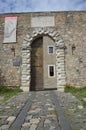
12,6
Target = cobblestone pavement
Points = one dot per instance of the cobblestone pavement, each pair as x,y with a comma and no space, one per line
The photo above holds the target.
73,110
42,113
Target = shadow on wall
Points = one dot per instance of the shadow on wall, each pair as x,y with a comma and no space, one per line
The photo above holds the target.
2,78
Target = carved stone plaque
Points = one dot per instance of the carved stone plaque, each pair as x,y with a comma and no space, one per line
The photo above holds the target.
42,21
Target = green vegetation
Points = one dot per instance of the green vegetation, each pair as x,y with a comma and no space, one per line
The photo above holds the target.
80,93
7,93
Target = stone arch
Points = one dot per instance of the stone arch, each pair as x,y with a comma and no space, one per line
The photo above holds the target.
26,50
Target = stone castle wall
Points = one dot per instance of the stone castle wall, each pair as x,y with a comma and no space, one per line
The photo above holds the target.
72,28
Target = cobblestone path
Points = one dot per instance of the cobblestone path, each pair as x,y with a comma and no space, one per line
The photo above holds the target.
43,110
42,114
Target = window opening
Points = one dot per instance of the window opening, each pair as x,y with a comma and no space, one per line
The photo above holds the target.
51,70
50,50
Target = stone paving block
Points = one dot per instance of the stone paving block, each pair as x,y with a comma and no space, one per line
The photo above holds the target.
47,95
84,99
37,110
52,116
3,117
52,127
80,107
11,118
31,112
24,128
7,107
4,127
40,128
48,104
1,98
33,127
26,124
50,109
47,121
28,118
4,122
48,99
35,121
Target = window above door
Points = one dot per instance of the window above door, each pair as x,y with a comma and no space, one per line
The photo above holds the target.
50,49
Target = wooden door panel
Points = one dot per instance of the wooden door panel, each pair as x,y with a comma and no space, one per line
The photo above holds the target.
36,57
37,65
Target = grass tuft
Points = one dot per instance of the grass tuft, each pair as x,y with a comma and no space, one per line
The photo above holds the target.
7,93
80,93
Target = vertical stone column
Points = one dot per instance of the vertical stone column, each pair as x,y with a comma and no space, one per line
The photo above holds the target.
25,78
60,67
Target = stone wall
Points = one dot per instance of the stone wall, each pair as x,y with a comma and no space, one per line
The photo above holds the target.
75,53
71,26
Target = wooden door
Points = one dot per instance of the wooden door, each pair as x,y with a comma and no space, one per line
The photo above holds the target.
37,64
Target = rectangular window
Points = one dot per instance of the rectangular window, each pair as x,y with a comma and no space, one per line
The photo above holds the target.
51,70
50,49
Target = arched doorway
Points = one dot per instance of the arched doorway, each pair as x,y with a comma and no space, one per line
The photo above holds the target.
26,57
37,64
